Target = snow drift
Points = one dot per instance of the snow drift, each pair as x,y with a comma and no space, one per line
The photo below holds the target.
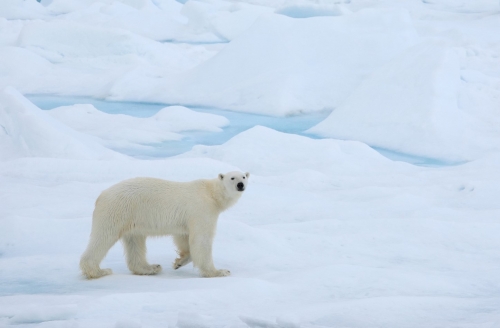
268,156
306,9
410,106
119,131
284,66
25,130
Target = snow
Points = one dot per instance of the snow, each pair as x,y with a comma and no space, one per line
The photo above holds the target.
89,58
319,156
224,20
12,73
10,31
294,65
142,18
410,105
60,39
336,229
19,9
28,131
463,5
123,131
306,9
392,237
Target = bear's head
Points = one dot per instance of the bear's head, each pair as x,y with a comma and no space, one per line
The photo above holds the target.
235,182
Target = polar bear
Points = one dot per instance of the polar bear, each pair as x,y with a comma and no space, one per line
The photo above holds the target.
137,208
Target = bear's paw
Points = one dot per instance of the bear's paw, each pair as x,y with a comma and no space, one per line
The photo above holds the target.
216,273
148,270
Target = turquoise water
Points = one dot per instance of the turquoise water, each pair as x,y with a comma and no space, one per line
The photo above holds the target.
239,122
415,160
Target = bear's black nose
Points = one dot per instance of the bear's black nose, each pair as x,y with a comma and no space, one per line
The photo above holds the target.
240,186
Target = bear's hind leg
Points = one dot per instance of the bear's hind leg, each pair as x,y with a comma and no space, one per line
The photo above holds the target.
135,251
94,254
182,243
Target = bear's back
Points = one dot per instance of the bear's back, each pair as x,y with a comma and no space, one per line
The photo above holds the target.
156,206
160,194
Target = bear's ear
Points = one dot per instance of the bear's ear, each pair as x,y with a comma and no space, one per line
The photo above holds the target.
221,176
247,174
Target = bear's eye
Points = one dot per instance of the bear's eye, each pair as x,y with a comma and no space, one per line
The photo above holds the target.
232,178
243,177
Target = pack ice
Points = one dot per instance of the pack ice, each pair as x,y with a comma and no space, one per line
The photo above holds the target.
330,233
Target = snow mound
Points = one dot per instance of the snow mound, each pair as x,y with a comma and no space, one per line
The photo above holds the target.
26,130
464,6
64,39
306,9
20,9
19,66
409,106
119,130
180,118
265,151
116,130
10,31
144,18
127,323
283,66
66,6
37,314
235,19
91,59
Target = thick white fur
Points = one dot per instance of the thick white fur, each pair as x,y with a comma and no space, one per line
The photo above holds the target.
137,208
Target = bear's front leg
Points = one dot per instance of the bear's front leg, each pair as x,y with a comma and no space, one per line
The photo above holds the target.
201,254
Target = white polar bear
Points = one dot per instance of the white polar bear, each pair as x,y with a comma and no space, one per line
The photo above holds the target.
137,208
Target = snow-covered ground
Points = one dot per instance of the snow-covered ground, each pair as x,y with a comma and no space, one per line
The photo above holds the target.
329,233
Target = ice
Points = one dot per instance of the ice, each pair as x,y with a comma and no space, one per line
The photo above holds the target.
10,31
13,73
265,69
191,320
306,9
37,314
464,6
79,58
236,19
196,132
57,40
179,118
28,131
360,237
410,105
267,158
480,88
258,323
127,324
342,241
329,233
218,21
142,17
20,9
122,131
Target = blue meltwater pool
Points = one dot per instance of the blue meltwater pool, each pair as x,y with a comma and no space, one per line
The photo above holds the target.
239,122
